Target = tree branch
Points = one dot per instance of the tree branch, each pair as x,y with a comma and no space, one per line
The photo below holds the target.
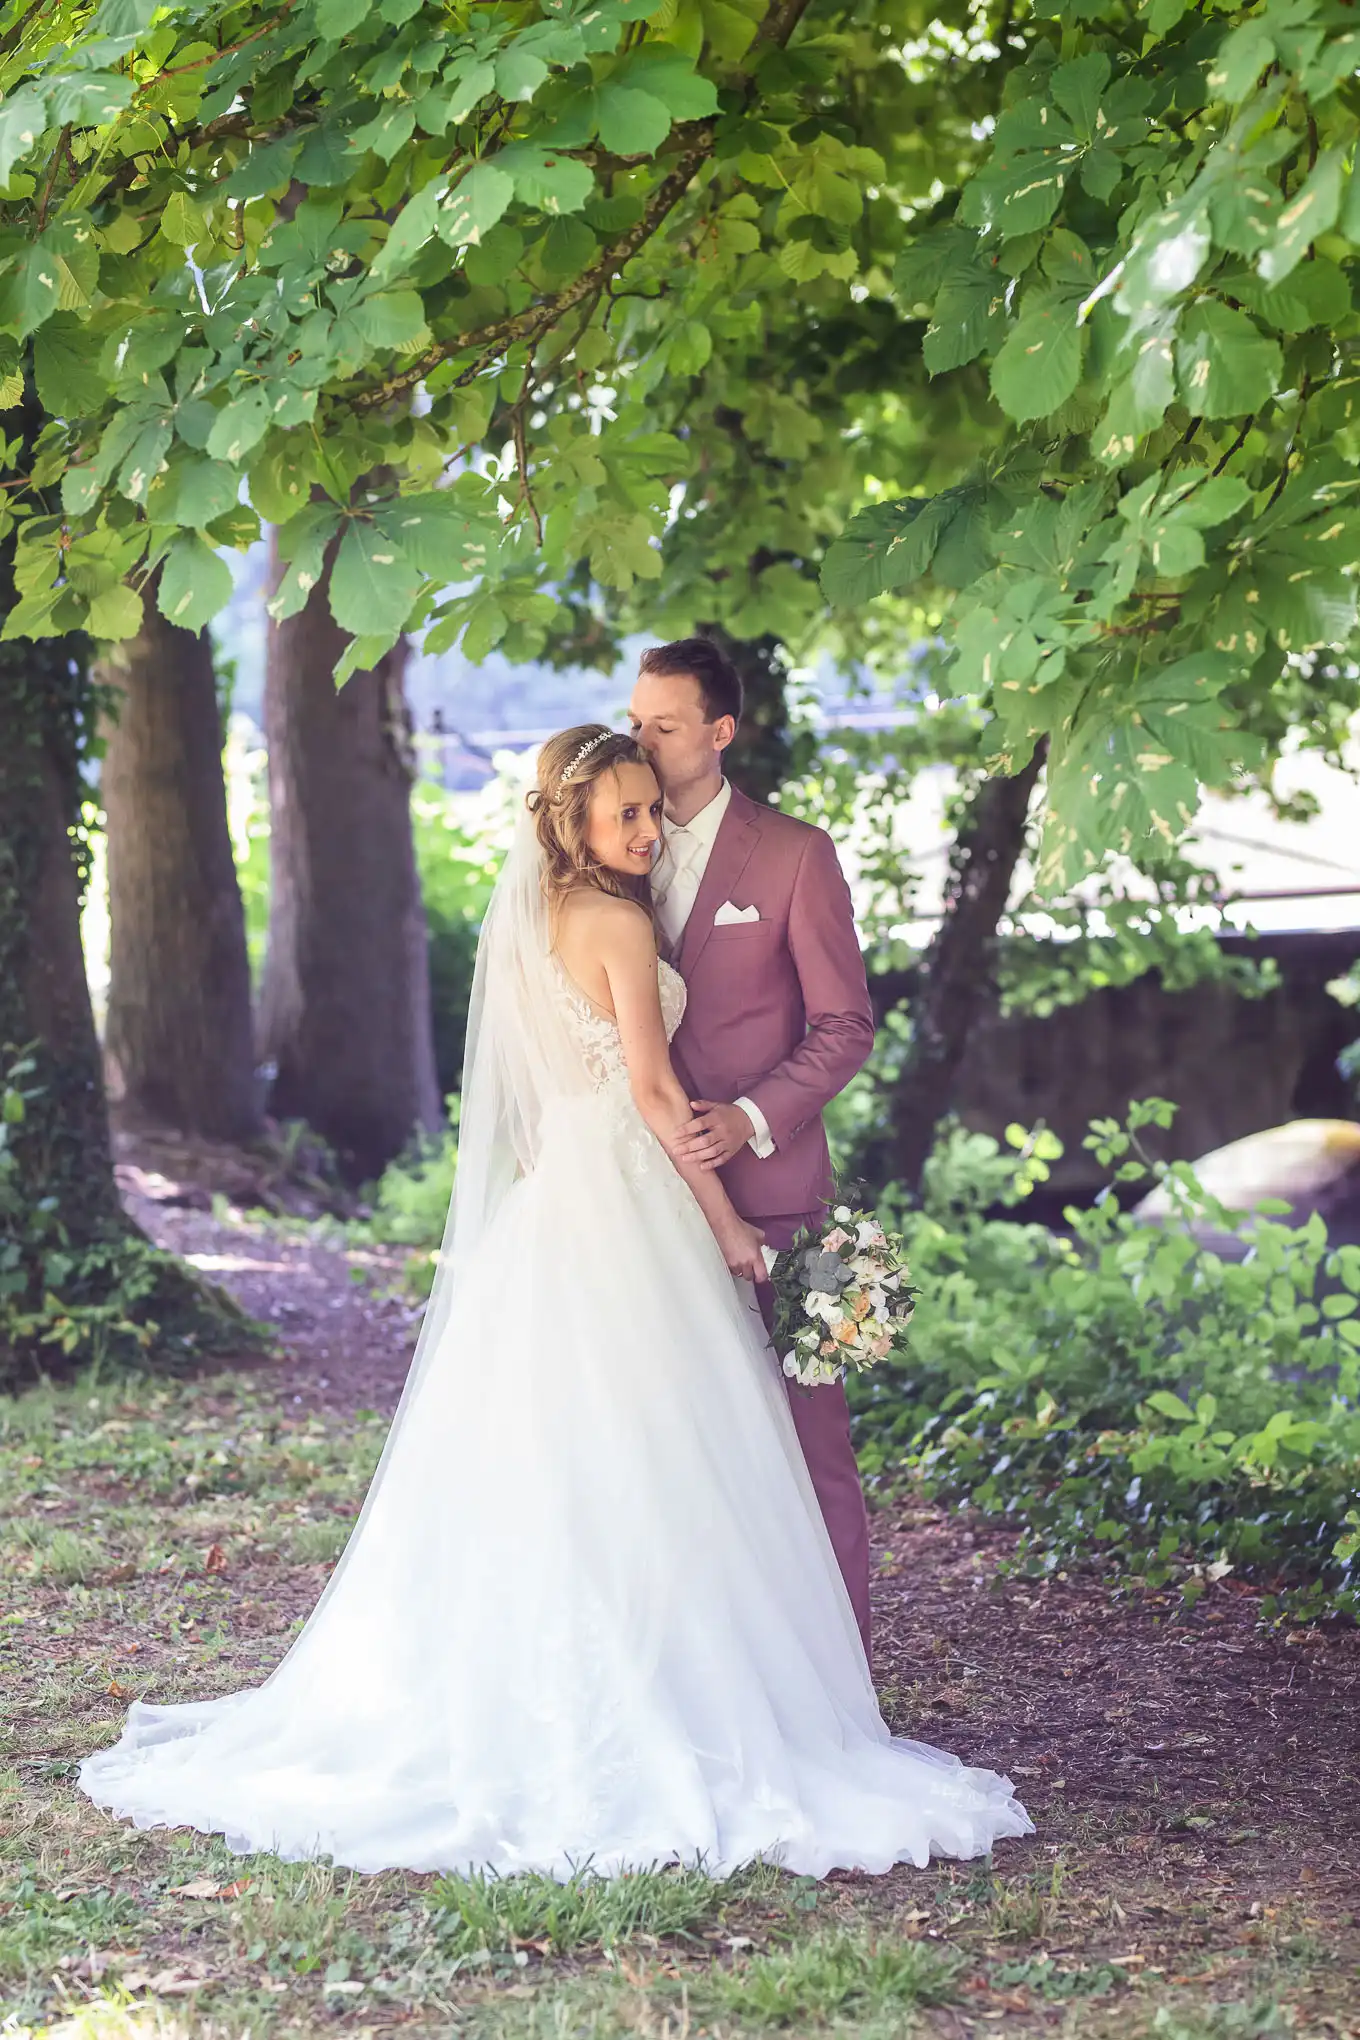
527,328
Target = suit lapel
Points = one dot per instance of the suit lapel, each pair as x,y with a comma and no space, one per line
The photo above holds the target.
738,834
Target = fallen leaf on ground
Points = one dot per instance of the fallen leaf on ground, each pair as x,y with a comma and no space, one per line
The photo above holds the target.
216,1560
165,1983
201,1887
117,1692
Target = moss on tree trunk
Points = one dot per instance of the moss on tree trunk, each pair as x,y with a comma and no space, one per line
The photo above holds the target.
78,1282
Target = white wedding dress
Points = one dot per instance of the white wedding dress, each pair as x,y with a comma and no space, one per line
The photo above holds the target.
590,1614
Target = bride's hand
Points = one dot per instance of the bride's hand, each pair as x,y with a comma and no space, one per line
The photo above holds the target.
741,1244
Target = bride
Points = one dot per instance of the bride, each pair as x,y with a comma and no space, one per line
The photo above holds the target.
589,1614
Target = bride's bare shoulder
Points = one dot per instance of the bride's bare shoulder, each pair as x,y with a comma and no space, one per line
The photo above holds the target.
601,910
602,922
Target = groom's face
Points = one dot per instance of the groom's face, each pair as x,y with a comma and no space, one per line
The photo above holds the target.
666,715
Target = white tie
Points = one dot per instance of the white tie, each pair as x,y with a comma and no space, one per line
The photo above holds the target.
675,898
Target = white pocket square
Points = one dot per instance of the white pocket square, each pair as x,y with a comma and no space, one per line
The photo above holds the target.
729,916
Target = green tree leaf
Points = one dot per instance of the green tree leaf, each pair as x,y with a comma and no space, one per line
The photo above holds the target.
1167,254
183,221
58,273
1224,365
69,383
449,534
240,425
390,318
1317,293
374,584
195,492
23,117
1018,190
388,132
1077,87
194,583
630,122
888,545
116,614
1309,213
474,206
1039,365
969,317
554,183
268,167
302,544
337,19
412,228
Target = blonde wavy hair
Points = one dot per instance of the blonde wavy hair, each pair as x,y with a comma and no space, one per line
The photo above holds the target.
561,812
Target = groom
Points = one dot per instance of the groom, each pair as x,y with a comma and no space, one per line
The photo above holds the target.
754,912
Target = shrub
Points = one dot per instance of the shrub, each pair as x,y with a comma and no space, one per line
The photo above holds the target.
410,1201
104,1302
457,872
1122,1390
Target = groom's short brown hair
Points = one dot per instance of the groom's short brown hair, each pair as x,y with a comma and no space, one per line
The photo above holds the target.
719,682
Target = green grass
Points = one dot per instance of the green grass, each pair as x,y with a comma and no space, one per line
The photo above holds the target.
1025,1908
40,1923
838,1976
1254,2021
498,1914
46,1551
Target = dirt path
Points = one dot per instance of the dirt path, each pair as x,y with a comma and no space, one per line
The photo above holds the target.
344,1322
1194,1777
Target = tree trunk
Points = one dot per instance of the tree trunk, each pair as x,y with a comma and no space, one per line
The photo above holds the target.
178,1041
345,1003
956,981
762,755
61,1149
71,1261
78,1282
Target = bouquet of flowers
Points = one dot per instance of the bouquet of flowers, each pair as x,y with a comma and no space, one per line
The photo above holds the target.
842,1296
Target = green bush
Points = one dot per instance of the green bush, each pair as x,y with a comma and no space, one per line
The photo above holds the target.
1124,1391
410,1201
457,872
111,1301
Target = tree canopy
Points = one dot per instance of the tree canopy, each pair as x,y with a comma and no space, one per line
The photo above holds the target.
318,246
1154,565
491,302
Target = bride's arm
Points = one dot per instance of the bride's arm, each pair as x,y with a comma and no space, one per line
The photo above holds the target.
628,953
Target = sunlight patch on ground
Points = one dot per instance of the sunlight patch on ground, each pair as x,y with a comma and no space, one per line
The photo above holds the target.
237,1264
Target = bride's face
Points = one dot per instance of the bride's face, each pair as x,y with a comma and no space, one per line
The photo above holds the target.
623,827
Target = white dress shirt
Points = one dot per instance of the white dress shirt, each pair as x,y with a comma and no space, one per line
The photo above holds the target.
676,877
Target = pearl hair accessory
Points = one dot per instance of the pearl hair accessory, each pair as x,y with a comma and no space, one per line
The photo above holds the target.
592,744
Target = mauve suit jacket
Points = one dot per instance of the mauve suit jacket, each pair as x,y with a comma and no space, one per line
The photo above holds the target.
778,1008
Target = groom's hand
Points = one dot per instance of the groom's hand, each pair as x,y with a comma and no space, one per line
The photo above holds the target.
718,1133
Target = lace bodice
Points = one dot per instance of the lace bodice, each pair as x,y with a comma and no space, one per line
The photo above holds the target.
597,1033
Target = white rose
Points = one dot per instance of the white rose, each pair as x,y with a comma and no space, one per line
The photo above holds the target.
842,1214
790,1364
